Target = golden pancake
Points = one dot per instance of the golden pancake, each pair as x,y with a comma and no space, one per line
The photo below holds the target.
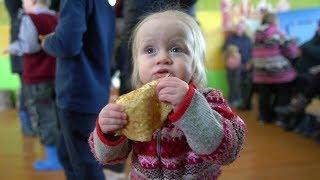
145,112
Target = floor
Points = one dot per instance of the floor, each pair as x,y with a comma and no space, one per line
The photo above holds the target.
269,153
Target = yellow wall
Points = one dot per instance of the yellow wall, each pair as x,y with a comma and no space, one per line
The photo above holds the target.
4,37
210,22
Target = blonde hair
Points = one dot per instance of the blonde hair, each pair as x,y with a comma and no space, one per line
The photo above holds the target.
198,46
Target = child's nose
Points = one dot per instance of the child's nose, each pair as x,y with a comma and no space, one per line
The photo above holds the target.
164,58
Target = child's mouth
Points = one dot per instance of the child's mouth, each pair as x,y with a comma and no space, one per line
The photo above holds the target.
161,74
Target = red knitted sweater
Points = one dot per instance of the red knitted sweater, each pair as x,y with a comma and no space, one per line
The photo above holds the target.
196,140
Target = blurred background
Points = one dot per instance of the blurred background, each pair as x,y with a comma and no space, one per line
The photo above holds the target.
209,16
275,149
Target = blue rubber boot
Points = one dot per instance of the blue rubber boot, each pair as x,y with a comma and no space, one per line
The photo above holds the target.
27,129
51,163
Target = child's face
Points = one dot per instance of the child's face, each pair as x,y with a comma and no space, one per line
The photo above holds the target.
163,46
28,5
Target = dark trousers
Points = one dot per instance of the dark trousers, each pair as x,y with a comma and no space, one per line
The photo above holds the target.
22,97
270,96
246,86
234,86
73,149
41,106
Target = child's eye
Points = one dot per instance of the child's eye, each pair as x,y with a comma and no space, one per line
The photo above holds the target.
149,50
176,49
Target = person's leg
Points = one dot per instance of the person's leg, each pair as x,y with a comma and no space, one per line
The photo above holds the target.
232,97
76,128
234,93
237,90
24,115
44,108
265,98
64,159
282,93
246,87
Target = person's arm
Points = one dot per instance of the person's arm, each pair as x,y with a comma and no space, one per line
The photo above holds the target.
212,130
27,41
68,36
107,148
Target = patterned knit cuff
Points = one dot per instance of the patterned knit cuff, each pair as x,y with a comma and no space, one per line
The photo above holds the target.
109,138
175,116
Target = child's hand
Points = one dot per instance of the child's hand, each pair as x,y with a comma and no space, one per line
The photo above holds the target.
172,90
43,38
112,118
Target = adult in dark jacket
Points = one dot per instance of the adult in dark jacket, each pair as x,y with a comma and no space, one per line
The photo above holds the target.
82,43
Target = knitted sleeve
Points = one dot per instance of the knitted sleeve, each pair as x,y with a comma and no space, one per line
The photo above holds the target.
107,148
212,130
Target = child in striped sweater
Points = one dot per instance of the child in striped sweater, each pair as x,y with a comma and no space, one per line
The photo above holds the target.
272,71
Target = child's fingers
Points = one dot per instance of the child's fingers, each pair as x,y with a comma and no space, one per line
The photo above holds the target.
167,90
113,121
109,128
113,114
107,111
170,82
165,97
110,124
115,107
165,82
